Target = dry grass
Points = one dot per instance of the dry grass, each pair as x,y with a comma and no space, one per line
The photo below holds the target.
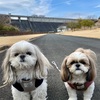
94,33
9,40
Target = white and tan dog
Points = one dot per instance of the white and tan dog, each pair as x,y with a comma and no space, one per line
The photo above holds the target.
25,68
78,71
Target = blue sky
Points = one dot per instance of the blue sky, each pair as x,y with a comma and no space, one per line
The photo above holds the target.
52,8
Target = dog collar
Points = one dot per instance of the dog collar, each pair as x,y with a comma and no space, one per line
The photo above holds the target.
78,86
27,86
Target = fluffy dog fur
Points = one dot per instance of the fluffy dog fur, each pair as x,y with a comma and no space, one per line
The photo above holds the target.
29,63
79,68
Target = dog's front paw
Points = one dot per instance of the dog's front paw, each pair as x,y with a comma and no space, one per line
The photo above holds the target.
72,99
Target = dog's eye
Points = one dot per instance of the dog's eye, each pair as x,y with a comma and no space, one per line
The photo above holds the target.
83,62
28,53
73,62
16,54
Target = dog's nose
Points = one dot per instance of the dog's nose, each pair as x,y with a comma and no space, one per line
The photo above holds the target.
77,65
22,56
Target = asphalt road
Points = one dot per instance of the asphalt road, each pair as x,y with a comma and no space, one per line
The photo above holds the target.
56,47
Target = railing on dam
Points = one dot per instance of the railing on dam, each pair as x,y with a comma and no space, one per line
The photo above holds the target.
39,24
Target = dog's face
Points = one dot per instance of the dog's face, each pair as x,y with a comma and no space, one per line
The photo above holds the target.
80,62
24,56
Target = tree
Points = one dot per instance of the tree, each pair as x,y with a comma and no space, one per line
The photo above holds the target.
92,17
86,23
71,25
4,24
4,19
90,23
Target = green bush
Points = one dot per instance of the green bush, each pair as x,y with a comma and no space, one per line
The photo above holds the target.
8,28
1,27
86,23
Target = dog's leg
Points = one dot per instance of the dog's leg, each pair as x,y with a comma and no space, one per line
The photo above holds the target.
41,92
71,92
89,92
17,95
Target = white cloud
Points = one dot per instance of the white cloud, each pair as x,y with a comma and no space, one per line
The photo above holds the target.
68,2
38,7
42,7
98,6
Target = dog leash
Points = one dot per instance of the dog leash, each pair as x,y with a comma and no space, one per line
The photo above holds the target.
4,85
54,63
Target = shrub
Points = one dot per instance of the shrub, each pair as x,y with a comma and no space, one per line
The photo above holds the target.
9,28
86,23
1,27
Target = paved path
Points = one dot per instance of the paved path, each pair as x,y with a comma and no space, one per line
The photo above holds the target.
56,47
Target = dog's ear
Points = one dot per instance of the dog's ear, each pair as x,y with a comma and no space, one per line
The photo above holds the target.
91,74
8,74
65,73
42,64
